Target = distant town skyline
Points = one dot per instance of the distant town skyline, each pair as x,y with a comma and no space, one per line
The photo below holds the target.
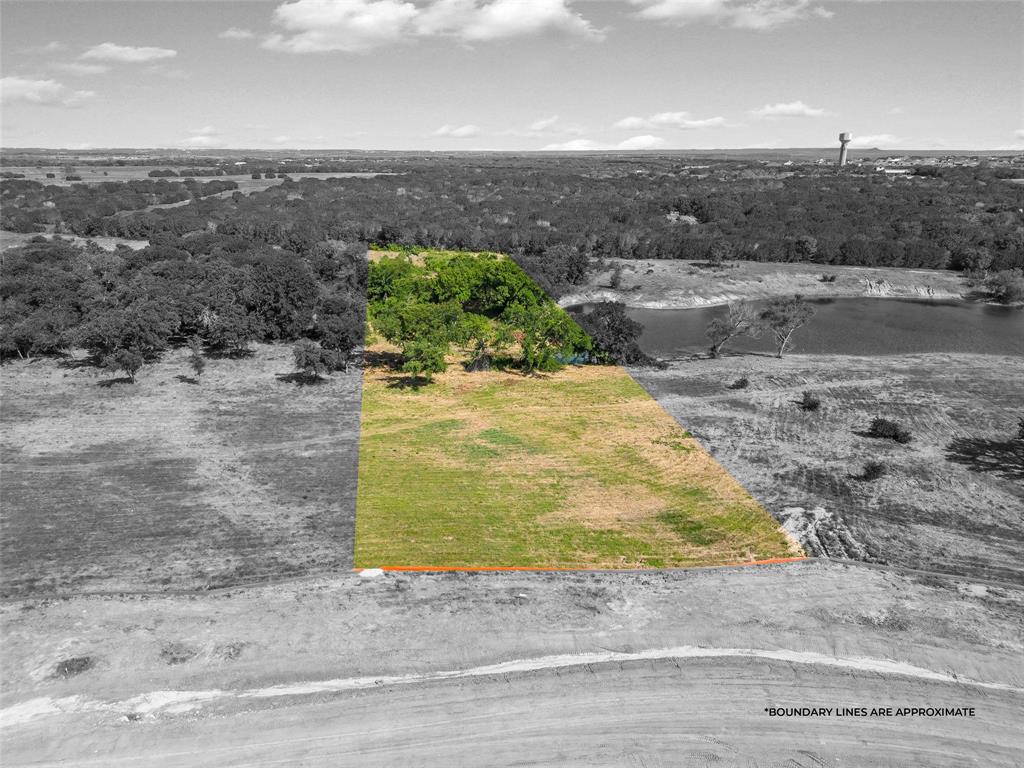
518,75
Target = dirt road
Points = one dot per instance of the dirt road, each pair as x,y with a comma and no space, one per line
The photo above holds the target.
699,712
630,669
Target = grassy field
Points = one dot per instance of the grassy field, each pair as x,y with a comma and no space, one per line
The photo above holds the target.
951,499
574,469
167,484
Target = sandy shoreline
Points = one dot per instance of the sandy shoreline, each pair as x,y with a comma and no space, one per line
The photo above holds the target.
670,284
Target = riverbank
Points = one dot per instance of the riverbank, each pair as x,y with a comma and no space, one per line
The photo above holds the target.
673,284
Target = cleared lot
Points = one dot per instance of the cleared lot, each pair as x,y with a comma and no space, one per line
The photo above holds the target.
169,484
950,500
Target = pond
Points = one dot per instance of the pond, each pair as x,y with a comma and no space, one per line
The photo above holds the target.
853,327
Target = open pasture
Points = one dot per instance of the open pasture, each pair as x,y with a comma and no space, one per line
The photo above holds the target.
950,500
574,469
169,484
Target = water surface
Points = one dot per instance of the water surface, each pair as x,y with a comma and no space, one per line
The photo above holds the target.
853,327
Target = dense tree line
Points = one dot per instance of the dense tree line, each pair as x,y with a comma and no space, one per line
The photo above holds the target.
29,206
965,218
221,292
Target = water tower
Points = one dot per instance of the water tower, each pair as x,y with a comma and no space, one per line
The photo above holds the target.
844,139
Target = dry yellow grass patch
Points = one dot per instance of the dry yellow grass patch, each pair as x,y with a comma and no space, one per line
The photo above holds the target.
579,468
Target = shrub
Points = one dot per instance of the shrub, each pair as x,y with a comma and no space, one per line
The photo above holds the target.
828,278
741,383
810,401
1020,429
889,430
873,470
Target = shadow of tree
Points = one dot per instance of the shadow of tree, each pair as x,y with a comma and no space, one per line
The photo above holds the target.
1002,457
414,383
227,353
383,359
108,383
186,379
300,379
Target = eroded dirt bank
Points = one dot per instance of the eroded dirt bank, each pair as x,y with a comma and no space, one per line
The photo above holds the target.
671,284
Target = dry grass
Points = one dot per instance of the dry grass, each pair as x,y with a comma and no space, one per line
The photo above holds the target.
951,499
168,484
578,468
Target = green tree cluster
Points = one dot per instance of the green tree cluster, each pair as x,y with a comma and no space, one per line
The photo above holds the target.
481,304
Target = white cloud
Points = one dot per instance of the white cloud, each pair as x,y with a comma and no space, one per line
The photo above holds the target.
78,68
575,145
477,20
44,92
315,26
54,46
206,137
543,124
680,120
234,33
279,140
1019,133
127,53
202,142
589,145
458,131
876,140
788,109
742,14
642,142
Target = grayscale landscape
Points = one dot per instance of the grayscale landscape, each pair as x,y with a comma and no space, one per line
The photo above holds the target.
511,383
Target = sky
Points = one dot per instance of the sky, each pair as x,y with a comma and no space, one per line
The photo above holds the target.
512,74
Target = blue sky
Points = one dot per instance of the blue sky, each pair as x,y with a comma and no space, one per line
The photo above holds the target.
513,74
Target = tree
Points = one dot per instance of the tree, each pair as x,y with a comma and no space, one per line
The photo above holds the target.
312,360
1007,286
485,338
889,430
127,360
196,360
229,329
424,358
613,332
720,251
741,320
782,317
547,336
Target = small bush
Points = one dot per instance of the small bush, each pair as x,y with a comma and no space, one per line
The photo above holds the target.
828,278
741,383
873,470
889,430
810,401
1020,429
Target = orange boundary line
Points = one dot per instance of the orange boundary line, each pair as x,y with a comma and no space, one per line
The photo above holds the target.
443,568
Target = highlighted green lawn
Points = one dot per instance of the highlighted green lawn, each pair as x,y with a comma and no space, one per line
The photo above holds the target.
578,468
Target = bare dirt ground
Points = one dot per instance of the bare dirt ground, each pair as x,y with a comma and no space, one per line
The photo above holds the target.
661,668
951,501
662,284
17,239
173,484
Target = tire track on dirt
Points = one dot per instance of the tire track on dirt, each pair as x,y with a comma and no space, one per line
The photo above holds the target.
177,702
